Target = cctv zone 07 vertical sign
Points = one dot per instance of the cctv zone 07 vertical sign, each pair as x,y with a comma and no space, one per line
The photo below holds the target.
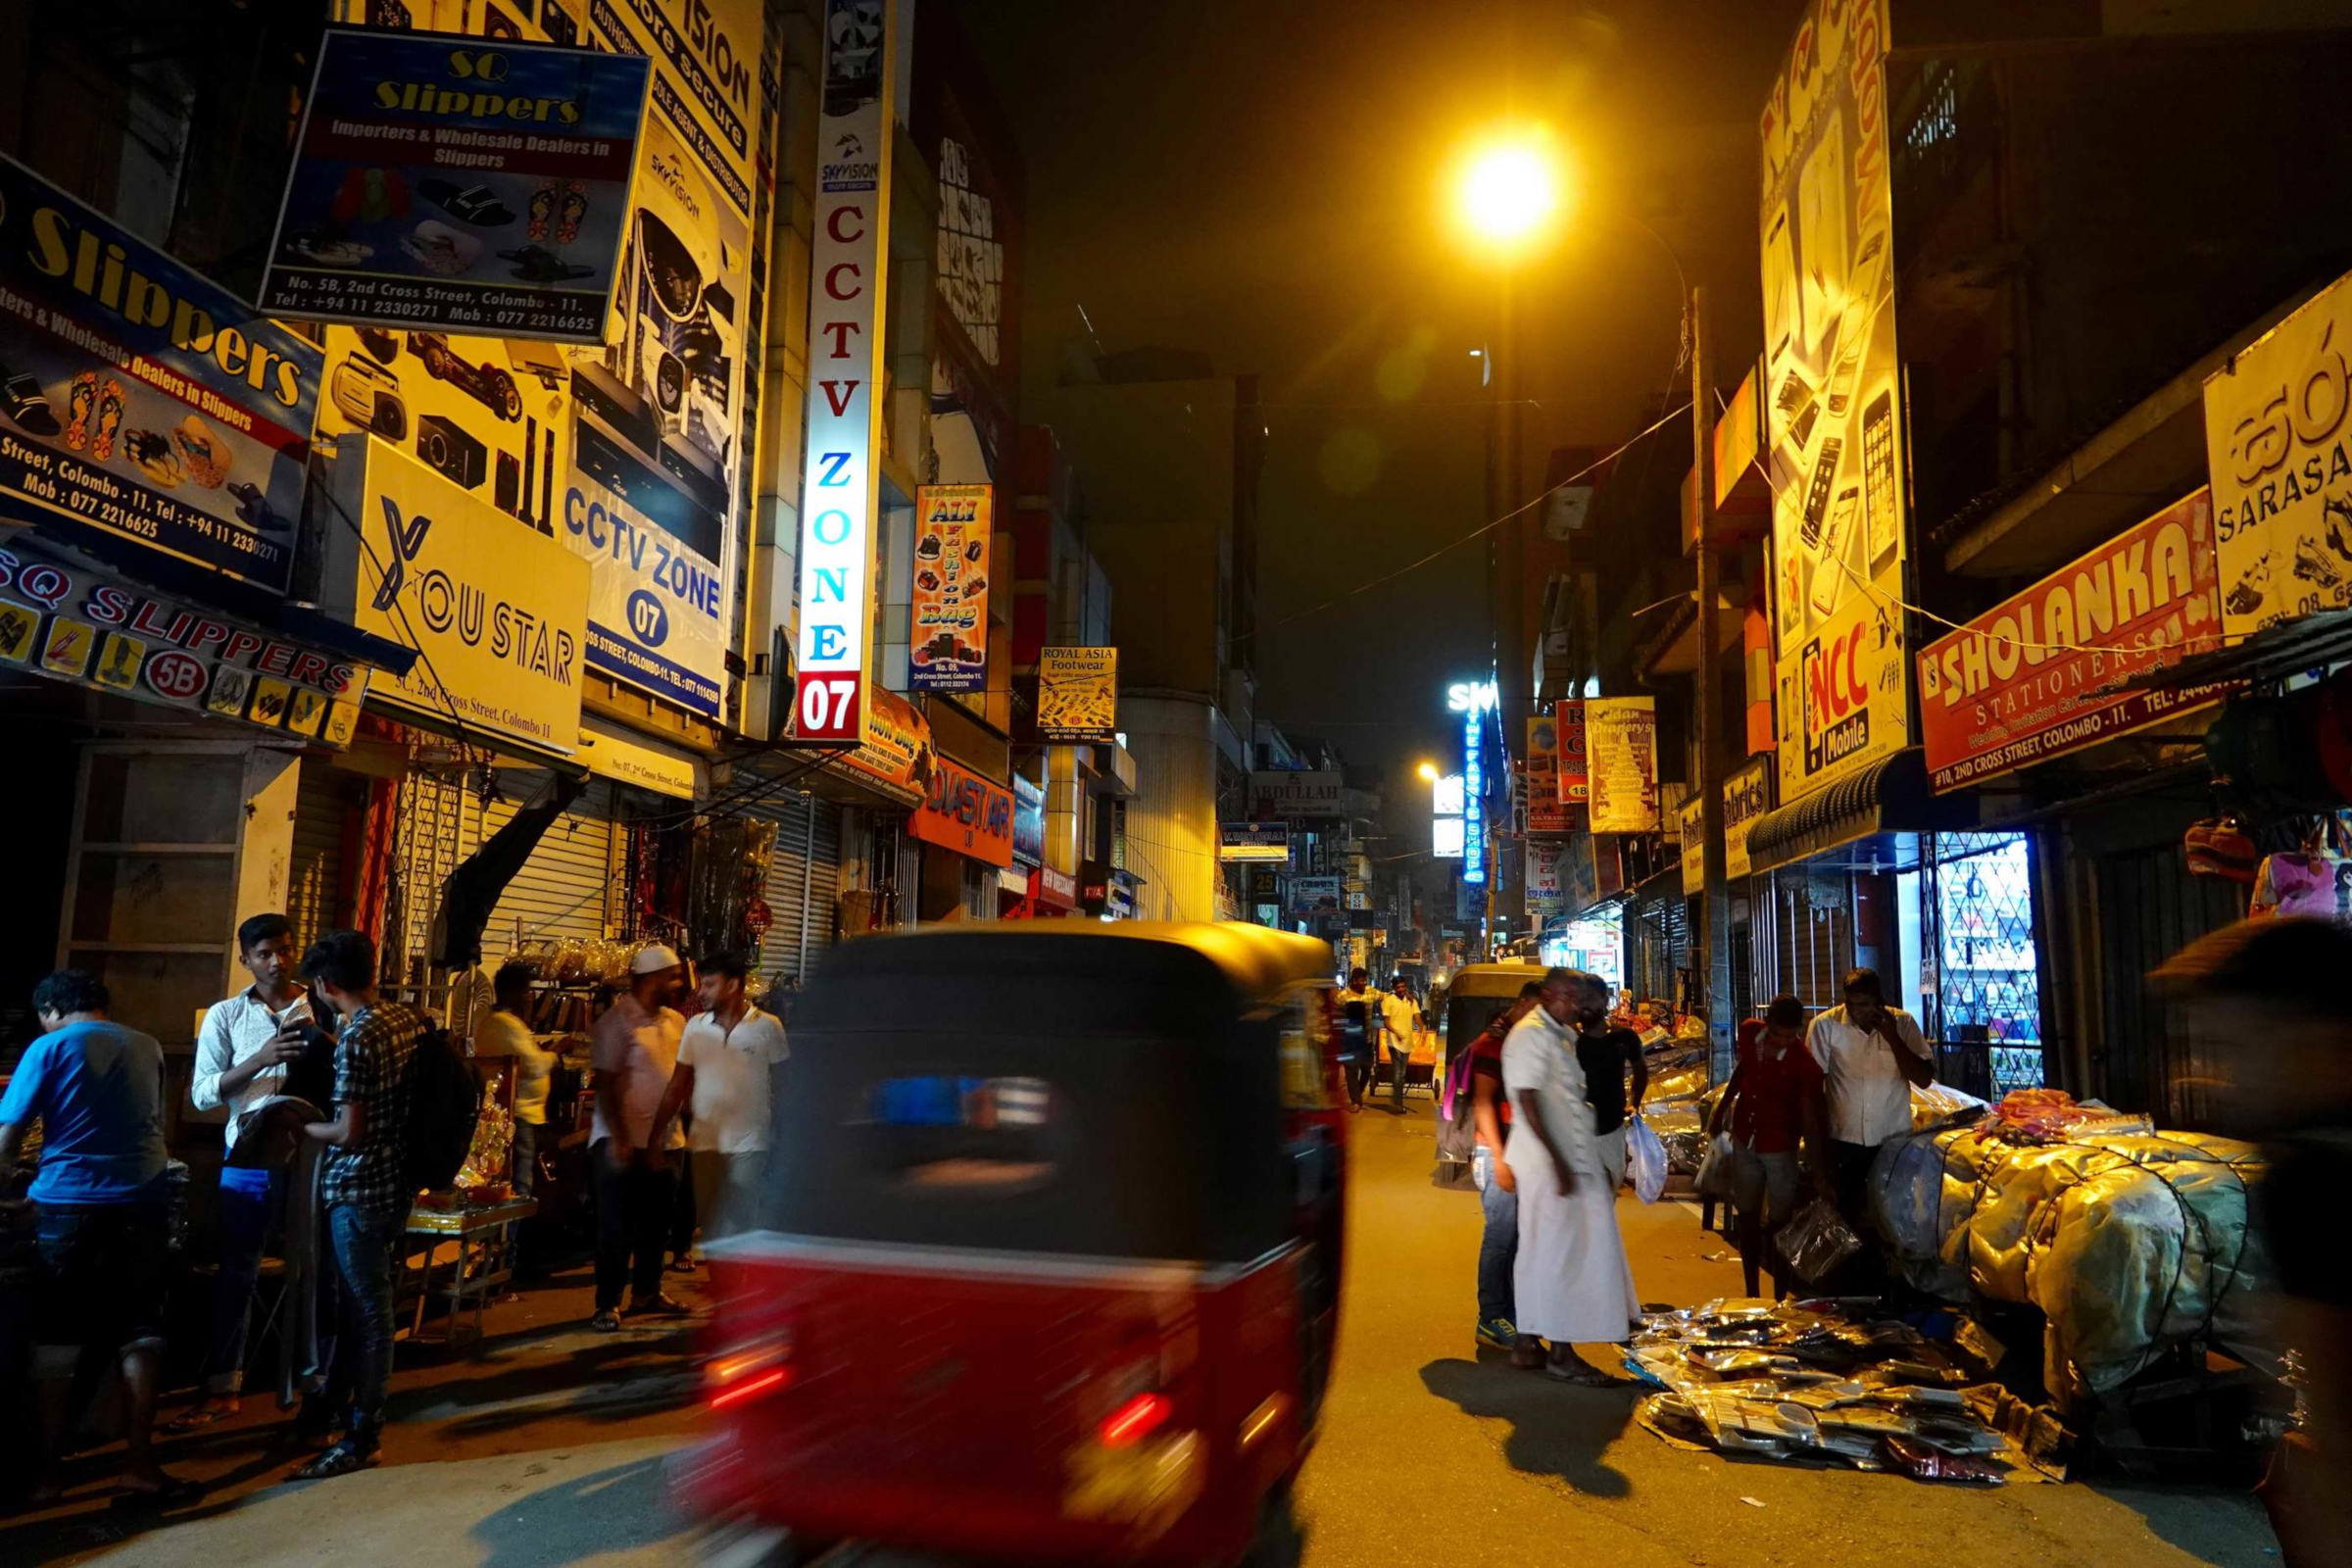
839,484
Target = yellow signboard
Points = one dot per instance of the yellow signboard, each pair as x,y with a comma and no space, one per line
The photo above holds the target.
1078,694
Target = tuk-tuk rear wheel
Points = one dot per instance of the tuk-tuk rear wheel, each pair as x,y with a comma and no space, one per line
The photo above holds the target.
742,1541
1279,1542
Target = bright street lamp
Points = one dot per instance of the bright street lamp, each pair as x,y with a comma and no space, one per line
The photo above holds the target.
1509,187
1428,772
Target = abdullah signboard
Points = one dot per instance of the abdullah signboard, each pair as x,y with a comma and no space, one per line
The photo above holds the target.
2037,675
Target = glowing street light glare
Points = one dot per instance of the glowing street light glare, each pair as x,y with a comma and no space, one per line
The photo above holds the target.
1511,189
1428,772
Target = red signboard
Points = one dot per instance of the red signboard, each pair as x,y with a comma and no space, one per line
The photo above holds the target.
2036,676
966,813
1055,889
1576,784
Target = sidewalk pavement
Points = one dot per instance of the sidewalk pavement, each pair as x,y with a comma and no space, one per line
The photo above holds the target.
540,1379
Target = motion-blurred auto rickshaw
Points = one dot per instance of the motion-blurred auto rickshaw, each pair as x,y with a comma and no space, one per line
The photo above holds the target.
1047,1268
1475,995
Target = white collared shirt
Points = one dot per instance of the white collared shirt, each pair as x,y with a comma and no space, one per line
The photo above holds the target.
233,1031
731,1076
1869,1099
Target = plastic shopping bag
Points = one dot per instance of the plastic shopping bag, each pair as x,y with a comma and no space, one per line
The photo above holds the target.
1817,1240
1645,1160
1714,1178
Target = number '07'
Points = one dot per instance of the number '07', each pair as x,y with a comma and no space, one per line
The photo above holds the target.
827,705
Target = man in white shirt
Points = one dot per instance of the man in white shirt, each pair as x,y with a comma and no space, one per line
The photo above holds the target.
1400,1024
635,1050
1869,1055
725,1074
241,1060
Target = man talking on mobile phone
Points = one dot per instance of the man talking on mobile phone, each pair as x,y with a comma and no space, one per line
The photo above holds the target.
1871,1054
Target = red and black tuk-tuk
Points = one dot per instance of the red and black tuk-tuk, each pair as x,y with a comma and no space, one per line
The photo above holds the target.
1046,1267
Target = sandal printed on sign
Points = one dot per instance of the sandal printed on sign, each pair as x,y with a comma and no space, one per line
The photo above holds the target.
22,397
80,398
111,408
152,455
201,453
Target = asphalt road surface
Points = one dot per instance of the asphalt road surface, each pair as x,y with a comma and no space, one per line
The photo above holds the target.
550,1448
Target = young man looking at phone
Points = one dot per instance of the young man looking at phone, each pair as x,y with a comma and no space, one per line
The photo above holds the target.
242,1052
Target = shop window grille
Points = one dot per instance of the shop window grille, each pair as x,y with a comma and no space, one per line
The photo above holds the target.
1987,984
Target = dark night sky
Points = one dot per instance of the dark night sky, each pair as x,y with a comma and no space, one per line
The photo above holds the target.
1260,180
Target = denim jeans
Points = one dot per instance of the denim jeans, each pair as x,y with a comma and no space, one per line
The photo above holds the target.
1498,1243
363,1367
1401,1062
249,1202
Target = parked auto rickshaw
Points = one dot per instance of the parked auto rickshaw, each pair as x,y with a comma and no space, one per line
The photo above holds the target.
1047,1265
1475,995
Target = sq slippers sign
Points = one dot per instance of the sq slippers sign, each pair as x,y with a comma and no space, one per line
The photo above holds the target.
138,401
460,184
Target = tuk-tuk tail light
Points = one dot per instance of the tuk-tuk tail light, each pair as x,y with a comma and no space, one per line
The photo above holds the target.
1134,1421
752,1388
747,1371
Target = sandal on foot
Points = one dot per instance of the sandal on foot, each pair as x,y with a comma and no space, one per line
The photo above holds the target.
339,1460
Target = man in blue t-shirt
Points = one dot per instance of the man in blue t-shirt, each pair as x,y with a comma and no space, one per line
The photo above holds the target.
100,1208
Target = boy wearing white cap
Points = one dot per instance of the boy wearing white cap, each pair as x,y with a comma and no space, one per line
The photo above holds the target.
634,1053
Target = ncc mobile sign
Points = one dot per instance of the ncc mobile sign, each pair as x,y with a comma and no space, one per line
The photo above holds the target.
839,487
140,402
442,182
2036,676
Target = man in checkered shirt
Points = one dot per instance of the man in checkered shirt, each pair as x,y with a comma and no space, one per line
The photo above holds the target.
364,1187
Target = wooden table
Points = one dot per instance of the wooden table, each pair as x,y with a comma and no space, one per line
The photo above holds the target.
482,1236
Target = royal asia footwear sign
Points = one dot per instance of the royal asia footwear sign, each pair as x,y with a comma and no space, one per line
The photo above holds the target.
948,644
1078,694
74,622
841,479
2279,447
2041,674
497,611
139,403
458,184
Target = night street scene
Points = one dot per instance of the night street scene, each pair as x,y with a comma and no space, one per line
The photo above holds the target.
1075,783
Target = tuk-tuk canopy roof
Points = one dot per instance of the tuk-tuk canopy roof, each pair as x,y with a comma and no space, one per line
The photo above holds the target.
1254,960
1492,979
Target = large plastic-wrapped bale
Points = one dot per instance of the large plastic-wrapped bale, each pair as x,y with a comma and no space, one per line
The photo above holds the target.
2017,1212
1922,1190
2151,1247
1682,1126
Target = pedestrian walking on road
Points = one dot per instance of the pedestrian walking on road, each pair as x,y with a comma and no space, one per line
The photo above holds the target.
241,1060
364,1186
1359,1033
1871,1054
727,1058
1774,1098
101,1217
1607,1052
635,1052
1400,1025
1490,1174
1571,1282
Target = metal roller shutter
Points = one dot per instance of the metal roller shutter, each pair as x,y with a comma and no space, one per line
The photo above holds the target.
323,797
804,886
565,887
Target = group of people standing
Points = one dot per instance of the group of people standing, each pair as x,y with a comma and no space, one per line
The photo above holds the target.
1370,1020
1549,1086
309,1052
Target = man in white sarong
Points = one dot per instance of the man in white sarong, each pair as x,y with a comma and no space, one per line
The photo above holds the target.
1571,1282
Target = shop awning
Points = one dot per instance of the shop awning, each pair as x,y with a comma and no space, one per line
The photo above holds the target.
2274,652
1888,796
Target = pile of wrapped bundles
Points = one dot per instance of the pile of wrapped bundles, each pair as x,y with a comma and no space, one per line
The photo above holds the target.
1678,1099
2129,1241
1813,1381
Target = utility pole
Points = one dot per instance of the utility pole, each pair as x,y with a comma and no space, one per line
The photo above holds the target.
1715,899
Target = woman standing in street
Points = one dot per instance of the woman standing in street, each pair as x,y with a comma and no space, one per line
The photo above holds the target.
1571,1284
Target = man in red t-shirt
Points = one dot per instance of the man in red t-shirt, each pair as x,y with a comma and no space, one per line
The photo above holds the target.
1499,1191
1774,1096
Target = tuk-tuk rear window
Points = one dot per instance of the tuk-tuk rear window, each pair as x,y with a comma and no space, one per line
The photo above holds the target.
941,1131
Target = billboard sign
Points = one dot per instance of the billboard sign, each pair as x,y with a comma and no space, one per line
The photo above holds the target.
1576,783
840,484
2279,447
1832,402
1268,842
965,812
948,646
1028,821
1295,794
458,184
139,403
1546,812
1078,694
1746,796
1620,744
2036,676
